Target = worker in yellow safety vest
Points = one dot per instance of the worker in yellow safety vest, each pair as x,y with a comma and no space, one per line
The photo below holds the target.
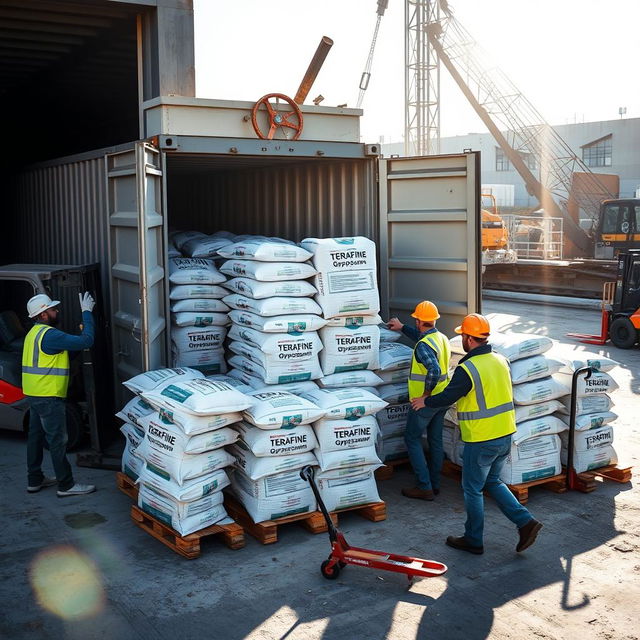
481,387
45,380
428,376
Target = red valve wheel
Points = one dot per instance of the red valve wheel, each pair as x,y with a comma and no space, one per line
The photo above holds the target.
276,117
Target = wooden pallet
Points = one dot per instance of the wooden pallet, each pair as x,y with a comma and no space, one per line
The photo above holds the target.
374,511
557,484
187,546
389,468
266,532
127,485
585,482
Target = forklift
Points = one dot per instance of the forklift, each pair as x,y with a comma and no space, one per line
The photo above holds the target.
620,305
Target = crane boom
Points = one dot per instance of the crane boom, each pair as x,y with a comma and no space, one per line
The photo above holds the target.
522,133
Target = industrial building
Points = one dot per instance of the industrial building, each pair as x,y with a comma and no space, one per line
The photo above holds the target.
607,146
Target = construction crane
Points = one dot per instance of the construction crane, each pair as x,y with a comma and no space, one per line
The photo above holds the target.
366,74
543,159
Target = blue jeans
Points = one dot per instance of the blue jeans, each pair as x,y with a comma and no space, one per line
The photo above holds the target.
431,420
481,466
47,420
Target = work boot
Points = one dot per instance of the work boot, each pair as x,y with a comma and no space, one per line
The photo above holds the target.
420,494
46,482
462,544
528,534
77,490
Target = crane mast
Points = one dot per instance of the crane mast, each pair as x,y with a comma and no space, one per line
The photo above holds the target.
421,80
543,159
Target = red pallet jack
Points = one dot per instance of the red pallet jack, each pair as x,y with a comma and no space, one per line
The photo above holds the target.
343,554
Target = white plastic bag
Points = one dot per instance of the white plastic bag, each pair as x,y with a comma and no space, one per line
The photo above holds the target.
395,393
184,517
341,435
592,420
329,460
256,468
268,271
150,380
514,346
265,250
292,323
275,306
532,459
352,402
347,275
135,409
392,420
197,292
204,246
200,397
395,376
340,491
275,496
539,391
348,349
200,319
276,442
280,373
395,355
544,425
591,404
165,437
191,490
360,378
530,411
597,383
533,368
259,290
194,271
206,305
354,321
280,409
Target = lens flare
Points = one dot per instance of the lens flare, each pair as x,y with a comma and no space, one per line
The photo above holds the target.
67,583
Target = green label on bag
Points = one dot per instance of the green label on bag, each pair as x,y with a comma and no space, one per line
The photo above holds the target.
176,393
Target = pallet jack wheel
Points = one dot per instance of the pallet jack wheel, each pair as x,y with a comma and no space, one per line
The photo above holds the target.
330,573
622,333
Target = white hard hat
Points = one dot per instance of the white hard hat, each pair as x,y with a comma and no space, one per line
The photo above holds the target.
40,303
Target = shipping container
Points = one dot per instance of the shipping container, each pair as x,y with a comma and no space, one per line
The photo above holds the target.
201,168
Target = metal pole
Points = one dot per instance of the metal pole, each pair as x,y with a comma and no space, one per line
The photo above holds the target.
313,70
570,477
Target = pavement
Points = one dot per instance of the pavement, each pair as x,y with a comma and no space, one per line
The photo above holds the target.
77,568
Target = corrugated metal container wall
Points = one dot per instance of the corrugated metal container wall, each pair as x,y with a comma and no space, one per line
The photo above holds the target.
318,198
61,215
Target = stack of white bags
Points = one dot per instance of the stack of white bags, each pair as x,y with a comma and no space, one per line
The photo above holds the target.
535,449
346,445
177,430
198,315
594,432
542,397
275,322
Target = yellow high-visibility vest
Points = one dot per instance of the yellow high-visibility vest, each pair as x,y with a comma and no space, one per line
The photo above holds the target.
418,374
43,375
487,411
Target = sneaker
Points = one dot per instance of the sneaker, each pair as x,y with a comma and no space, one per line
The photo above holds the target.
46,482
77,490
420,494
462,544
528,534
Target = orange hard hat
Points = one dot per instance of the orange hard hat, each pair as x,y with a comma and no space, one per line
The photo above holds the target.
474,325
426,311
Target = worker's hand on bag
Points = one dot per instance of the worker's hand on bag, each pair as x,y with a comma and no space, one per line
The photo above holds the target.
394,324
86,302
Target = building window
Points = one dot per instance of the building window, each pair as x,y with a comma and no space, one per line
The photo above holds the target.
502,162
598,153
530,160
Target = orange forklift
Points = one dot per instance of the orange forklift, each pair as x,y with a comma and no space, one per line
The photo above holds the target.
620,305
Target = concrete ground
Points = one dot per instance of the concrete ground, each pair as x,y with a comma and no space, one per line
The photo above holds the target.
64,558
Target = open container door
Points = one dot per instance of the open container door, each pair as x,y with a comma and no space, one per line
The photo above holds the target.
430,236
136,246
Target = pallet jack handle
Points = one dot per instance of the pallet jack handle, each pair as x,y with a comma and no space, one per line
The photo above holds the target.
571,478
307,473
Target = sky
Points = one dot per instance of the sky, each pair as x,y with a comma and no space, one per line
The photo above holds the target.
575,60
